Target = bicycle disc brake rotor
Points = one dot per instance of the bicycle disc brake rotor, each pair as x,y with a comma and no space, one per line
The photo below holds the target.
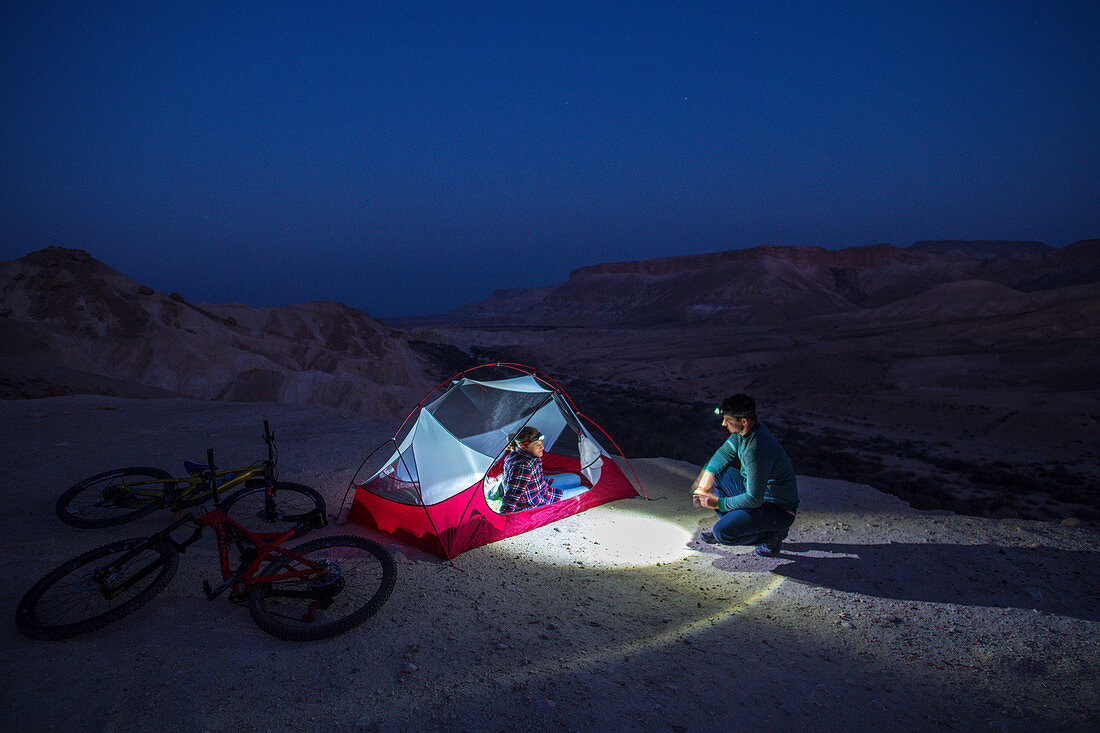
330,578
113,495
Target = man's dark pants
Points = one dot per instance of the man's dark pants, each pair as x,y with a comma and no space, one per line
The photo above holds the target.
747,526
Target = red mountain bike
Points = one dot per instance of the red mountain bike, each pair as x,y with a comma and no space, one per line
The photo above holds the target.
313,590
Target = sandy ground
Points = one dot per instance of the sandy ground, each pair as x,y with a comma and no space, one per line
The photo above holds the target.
875,616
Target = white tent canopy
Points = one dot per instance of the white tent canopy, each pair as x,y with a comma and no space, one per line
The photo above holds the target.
456,438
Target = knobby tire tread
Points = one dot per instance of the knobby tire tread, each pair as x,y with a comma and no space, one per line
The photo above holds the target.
274,626
62,508
280,486
25,614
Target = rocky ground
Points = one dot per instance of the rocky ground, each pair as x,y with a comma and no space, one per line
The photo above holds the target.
876,615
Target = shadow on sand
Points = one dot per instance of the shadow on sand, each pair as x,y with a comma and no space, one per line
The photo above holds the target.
1051,580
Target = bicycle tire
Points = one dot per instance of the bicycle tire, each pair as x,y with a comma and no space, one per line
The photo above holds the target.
68,601
95,503
296,506
360,578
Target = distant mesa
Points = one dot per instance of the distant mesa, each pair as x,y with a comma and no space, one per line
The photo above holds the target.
960,299
775,285
981,250
514,301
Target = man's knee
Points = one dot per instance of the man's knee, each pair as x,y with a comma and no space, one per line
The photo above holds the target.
729,483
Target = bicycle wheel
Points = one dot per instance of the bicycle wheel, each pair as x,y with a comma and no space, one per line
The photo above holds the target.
104,500
357,579
292,505
72,599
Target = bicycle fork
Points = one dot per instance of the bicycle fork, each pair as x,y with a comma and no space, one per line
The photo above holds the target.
102,576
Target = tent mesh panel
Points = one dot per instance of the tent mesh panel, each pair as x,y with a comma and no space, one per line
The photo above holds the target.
473,409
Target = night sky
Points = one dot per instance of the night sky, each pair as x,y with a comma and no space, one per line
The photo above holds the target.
407,157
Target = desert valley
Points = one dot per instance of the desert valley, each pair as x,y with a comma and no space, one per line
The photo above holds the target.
955,375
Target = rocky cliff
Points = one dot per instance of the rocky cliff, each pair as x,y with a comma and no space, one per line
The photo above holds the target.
783,284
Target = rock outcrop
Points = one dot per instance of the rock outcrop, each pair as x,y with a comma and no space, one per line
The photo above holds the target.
65,309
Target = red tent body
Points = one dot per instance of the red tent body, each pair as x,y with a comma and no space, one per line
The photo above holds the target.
431,492
466,521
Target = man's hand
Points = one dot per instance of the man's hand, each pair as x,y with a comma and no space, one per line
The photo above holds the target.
705,499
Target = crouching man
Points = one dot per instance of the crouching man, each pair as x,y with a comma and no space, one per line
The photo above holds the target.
749,482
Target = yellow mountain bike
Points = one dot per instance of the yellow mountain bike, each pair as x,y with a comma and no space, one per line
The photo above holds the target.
259,500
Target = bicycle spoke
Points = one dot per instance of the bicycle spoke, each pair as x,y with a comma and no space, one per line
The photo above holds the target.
72,600
290,506
113,497
356,579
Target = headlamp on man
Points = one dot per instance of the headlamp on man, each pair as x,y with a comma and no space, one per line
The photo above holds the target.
738,406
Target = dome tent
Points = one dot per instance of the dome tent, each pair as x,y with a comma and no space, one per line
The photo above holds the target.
433,488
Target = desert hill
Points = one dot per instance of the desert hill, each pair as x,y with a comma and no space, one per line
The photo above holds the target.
953,381
981,249
65,310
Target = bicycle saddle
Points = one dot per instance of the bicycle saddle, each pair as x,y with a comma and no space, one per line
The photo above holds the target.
192,467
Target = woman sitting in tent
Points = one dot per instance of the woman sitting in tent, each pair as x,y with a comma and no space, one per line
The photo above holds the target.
524,485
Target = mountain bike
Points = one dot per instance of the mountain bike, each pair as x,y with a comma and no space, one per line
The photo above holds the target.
260,501
312,590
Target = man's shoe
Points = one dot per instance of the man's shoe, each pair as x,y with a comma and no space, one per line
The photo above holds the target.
772,542
708,537
767,550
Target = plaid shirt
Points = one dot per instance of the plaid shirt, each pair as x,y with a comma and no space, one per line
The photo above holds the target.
524,485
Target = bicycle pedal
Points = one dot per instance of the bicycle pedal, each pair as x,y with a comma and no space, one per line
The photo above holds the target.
211,594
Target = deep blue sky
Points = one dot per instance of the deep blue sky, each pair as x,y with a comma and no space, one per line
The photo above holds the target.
410,157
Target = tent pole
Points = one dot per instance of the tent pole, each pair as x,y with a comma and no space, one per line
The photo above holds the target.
636,480
420,497
355,475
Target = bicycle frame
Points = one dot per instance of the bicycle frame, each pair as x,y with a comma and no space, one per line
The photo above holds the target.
205,481
264,546
185,490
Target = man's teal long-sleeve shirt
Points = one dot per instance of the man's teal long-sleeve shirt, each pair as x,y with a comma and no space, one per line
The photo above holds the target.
765,467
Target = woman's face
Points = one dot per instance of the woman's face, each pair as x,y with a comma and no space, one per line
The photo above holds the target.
535,448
